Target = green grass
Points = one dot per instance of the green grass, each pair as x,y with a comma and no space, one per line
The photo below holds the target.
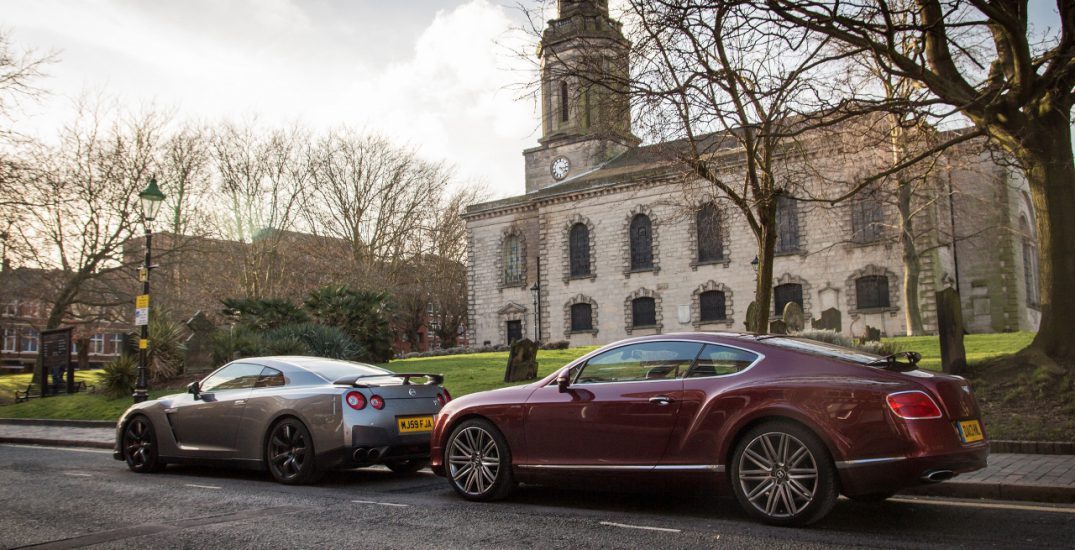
11,382
463,374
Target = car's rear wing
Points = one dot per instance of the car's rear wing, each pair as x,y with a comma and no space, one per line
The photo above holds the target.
359,382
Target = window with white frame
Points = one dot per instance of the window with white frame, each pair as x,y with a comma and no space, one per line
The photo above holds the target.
11,309
29,341
117,344
11,339
97,344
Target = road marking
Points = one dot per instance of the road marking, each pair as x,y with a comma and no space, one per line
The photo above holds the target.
643,527
201,486
70,449
380,503
990,505
77,474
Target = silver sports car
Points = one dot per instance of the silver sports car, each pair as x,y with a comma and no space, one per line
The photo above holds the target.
296,416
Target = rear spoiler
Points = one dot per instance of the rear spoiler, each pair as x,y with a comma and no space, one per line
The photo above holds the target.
355,381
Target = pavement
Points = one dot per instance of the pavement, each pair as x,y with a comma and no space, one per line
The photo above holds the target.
1009,476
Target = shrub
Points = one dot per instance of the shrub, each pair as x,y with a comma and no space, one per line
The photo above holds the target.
166,346
320,340
264,313
237,342
119,376
287,345
364,316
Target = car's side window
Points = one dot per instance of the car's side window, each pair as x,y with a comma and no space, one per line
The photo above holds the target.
235,376
720,360
637,362
270,378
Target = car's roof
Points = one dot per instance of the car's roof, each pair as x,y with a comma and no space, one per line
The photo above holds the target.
291,363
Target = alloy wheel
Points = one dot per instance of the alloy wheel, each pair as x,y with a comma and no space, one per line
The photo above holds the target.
474,461
288,451
778,475
138,443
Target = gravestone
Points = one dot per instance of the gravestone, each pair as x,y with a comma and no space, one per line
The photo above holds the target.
872,334
752,315
522,361
830,320
793,317
778,327
950,327
199,353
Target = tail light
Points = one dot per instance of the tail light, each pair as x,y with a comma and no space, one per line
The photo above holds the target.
377,402
447,396
355,400
441,400
913,405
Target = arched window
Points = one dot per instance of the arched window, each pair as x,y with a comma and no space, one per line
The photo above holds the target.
1030,264
787,225
581,317
579,241
641,243
710,247
711,306
513,260
785,293
563,101
643,312
871,291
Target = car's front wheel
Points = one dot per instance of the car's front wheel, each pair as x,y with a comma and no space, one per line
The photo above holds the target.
289,451
479,461
140,446
782,475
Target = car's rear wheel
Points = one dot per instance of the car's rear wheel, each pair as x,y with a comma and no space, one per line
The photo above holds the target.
479,461
404,467
140,446
289,452
782,475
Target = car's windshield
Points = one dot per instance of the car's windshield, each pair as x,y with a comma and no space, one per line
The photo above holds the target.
334,370
822,348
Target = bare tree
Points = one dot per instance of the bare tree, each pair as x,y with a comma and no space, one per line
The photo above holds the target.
981,58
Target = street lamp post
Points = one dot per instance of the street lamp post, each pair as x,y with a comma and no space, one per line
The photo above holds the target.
536,289
151,199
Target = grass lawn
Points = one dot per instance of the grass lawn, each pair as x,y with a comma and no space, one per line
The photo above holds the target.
11,382
463,374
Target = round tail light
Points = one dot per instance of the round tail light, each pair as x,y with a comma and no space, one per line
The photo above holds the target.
377,402
355,400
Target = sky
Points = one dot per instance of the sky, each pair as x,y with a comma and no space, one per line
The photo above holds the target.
438,75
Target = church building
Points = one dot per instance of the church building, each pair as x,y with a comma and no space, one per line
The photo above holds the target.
603,246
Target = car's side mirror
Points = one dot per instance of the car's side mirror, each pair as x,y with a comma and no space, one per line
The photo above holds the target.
194,388
563,381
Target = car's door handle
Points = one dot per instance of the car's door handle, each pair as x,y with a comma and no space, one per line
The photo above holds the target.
240,402
661,400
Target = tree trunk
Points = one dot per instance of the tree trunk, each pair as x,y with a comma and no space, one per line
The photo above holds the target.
763,293
1050,171
912,266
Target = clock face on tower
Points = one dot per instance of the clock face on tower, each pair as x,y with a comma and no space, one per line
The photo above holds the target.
560,167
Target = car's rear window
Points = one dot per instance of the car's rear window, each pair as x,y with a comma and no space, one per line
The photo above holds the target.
334,370
822,348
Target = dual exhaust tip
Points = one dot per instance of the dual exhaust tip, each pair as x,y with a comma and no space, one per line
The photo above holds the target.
937,476
362,454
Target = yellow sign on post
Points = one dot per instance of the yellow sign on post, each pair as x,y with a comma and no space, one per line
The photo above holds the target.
143,343
141,301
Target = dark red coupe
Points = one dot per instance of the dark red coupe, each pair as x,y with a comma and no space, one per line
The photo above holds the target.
786,423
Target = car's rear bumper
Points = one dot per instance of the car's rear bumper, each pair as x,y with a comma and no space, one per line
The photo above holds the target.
887,474
376,445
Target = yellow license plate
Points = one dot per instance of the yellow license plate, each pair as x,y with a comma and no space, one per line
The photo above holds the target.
970,431
411,424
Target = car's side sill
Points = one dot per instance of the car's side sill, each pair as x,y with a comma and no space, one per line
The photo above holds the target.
867,461
718,468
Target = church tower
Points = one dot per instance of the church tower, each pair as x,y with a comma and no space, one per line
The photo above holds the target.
585,119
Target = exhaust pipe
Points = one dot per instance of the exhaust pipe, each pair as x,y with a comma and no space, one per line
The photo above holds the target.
360,454
938,476
374,454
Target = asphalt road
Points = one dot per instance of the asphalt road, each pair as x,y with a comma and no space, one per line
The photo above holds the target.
66,498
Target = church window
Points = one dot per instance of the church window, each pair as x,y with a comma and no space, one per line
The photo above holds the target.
710,248
580,250
513,260
1030,264
871,292
641,243
563,101
581,317
643,312
711,306
867,219
787,225
785,294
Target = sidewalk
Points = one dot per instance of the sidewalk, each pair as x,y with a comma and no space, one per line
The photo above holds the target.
1009,476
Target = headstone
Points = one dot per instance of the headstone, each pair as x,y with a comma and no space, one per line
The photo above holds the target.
752,315
793,317
778,327
830,320
872,334
522,361
950,327
199,353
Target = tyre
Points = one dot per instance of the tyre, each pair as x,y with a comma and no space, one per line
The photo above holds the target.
479,461
289,452
782,474
140,446
406,467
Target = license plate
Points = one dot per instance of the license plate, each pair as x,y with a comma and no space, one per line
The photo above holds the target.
412,424
970,431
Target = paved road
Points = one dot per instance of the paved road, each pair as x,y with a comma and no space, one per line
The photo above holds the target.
81,497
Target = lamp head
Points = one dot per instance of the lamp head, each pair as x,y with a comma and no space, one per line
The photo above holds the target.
152,199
